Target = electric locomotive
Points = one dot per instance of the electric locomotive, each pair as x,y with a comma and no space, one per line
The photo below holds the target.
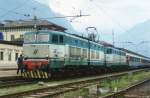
116,59
48,52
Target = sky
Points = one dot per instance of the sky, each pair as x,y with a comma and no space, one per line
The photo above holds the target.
105,15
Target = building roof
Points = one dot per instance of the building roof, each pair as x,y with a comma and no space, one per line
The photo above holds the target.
31,23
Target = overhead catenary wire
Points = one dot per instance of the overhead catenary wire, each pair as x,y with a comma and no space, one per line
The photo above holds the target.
15,8
25,3
15,12
28,15
107,14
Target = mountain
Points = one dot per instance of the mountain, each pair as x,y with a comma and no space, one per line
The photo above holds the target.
25,9
137,38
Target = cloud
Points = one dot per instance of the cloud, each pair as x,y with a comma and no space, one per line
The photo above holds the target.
123,10
106,15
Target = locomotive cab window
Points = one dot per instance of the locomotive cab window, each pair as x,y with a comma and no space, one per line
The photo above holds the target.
29,38
61,39
57,39
42,37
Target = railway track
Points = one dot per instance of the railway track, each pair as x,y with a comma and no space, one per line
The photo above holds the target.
53,90
9,78
13,83
121,92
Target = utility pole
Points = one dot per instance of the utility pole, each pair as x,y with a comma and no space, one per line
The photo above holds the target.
35,19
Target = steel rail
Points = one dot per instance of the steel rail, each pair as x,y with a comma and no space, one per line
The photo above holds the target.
120,92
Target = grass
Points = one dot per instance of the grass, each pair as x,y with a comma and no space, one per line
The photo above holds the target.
124,81
22,88
76,94
118,82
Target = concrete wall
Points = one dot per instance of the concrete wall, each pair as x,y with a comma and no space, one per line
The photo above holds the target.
9,51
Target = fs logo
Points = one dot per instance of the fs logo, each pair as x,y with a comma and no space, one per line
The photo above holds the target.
35,51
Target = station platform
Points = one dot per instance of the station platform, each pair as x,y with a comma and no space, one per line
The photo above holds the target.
8,67
8,70
8,73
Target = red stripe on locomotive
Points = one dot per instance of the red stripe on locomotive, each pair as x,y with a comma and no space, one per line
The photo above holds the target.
31,64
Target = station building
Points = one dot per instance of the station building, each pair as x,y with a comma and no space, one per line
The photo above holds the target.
9,52
11,38
14,30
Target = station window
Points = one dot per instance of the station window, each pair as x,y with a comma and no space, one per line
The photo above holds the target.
16,56
21,36
12,37
9,56
1,55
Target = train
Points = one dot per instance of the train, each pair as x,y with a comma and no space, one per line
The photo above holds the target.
48,53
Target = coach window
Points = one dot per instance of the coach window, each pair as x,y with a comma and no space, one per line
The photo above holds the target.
1,55
55,39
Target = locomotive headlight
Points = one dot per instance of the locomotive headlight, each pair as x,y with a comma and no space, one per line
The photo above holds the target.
47,56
